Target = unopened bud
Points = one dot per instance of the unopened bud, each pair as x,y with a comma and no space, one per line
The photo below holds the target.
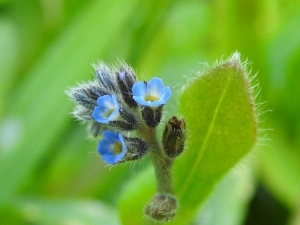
174,137
86,94
125,80
162,207
151,115
136,148
95,129
104,77
127,123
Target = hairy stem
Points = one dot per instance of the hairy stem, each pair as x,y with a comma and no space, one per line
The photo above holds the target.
161,162
163,171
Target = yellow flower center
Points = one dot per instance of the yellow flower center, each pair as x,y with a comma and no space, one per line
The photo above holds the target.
109,112
106,113
151,98
117,148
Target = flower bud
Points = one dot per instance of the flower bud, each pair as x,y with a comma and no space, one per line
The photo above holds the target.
125,80
86,94
162,207
82,113
174,137
136,148
95,129
105,78
127,123
152,115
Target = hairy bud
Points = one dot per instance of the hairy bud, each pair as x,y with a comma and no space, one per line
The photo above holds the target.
162,207
136,148
151,115
95,129
174,137
127,123
104,77
125,80
86,94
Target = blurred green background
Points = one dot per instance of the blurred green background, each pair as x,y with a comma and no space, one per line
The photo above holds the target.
50,173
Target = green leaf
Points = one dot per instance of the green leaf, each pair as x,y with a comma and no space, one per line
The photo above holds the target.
280,166
228,203
221,123
62,212
219,111
134,198
39,106
8,58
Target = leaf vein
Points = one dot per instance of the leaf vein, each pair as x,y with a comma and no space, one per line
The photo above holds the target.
208,134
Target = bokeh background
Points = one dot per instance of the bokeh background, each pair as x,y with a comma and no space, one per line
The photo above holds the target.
50,172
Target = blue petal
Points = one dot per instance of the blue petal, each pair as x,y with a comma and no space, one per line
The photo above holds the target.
124,148
112,136
104,147
96,113
115,102
140,100
139,89
97,116
101,100
156,103
114,115
155,86
102,108
102,121
108,158
166,94
106,104
119,156
121,139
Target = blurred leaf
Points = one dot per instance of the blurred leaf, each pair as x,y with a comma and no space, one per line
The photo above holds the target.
280,170
283,61
178,56
155,11
229,201
280,162
2,2
66,212
45,108
296,217
31,31
8,58
71,159
134,198
219,111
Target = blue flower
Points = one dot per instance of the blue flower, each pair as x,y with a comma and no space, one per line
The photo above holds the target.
112,148
151,94
107,110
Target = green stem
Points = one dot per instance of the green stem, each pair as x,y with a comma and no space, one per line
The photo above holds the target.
161,162
163,171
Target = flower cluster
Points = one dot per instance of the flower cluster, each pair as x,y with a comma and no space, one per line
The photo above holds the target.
117,106
125,113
